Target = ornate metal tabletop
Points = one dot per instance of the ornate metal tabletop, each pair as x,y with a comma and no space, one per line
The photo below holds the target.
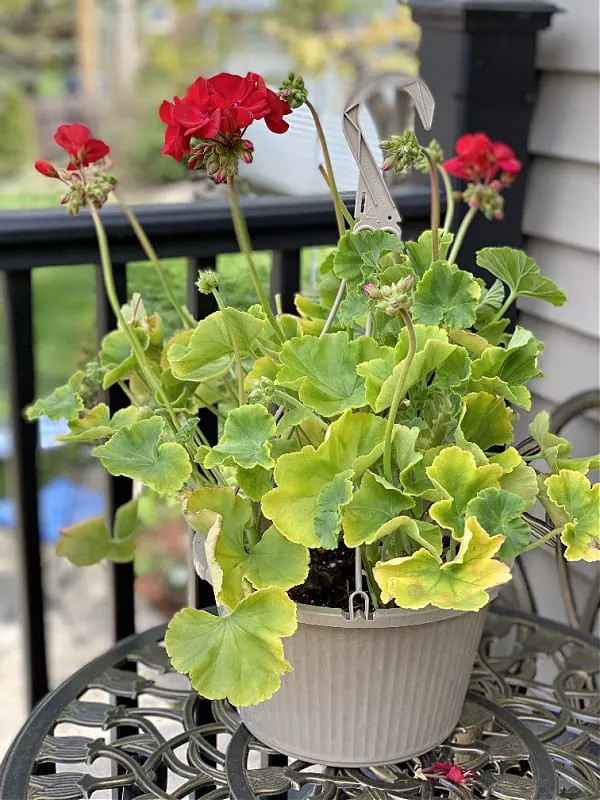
530,730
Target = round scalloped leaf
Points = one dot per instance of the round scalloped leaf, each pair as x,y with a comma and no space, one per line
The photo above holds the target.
501,512
456,474
382,373
446,295
275,561
89,541
422,579
328,519
357,258
517,477
580,501
135,451
203,506
375,503
254,482
521,274
207,647
486,420
420,253
323,371
245,439
63,403
354,443
209,351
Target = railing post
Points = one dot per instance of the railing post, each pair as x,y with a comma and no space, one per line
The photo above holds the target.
478,58
118,490
285,278
16,288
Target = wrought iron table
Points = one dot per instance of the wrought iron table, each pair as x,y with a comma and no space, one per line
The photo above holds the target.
530,730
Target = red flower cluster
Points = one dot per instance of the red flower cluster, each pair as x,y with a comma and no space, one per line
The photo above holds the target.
451,772
220,109
83,150
479,160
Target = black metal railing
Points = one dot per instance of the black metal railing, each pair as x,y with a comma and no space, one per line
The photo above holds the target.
39,239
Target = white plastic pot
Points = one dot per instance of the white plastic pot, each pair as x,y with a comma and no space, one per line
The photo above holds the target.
368,691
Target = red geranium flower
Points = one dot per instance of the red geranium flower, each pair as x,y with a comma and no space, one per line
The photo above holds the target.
195,114
220,109
76,140
479,160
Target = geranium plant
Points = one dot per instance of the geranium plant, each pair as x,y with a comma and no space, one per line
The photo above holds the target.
380,416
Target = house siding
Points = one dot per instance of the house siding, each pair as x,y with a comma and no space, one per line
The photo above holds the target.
562,210
562,226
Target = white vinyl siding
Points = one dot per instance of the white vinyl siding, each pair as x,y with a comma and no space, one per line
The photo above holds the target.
562,207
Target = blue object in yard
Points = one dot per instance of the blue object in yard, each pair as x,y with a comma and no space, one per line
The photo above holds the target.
48,430
62,503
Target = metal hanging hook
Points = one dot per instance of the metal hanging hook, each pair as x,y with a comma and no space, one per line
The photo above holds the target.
358,590
374,207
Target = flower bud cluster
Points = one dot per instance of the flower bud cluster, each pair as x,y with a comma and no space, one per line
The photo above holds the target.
293,91
95,191
402,152
208,281
392,299
262,390
220,159
487,198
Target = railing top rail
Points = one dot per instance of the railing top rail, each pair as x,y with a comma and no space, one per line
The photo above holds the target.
47,237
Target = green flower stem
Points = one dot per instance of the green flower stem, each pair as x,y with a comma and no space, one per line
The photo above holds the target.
286,399
347,215
367,561
239,369
334,309
399,393
450,205
435,204
150,252
461,233
337,200
542,540
137,349
504,308
243,238
111,293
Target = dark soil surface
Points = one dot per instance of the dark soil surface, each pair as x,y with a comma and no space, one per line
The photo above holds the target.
330,579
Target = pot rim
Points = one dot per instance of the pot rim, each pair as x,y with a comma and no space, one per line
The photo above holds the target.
323,616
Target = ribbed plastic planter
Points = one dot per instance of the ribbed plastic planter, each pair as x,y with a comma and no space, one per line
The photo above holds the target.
367,691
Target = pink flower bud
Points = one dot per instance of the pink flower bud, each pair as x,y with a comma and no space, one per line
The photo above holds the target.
371,291
46,168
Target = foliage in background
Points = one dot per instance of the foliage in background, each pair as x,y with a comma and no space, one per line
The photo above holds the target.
36,37
17,132
322,34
